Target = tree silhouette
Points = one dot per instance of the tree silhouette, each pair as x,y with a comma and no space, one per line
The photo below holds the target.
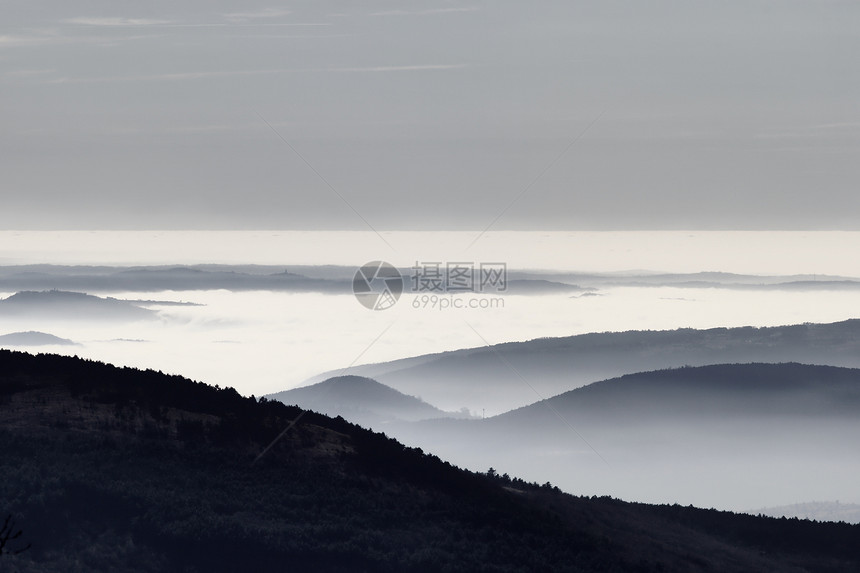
8,534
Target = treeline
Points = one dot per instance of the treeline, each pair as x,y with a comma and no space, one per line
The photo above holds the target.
187,495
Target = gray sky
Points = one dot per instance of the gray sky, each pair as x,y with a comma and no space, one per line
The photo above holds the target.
430,115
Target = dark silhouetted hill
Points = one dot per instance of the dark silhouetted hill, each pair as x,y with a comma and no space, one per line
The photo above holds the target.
361,400
718,391
116,469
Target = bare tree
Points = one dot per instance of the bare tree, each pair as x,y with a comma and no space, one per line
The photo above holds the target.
8,535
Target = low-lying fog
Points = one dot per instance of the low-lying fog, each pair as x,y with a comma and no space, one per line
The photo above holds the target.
263,342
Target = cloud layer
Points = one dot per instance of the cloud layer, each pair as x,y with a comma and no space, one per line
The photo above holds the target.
435,115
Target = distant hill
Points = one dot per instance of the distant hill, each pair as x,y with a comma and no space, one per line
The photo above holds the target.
815,510
543,286
161,278
713,391
725,436
709,280
110,469
63,305
514,374
360,400
325,279
33,338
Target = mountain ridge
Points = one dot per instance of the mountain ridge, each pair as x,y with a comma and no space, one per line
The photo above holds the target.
492,377
769,430
360,399
119,469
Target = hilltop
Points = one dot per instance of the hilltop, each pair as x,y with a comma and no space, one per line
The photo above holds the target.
66,305
361,400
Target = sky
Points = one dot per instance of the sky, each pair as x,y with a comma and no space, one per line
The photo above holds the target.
430,115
